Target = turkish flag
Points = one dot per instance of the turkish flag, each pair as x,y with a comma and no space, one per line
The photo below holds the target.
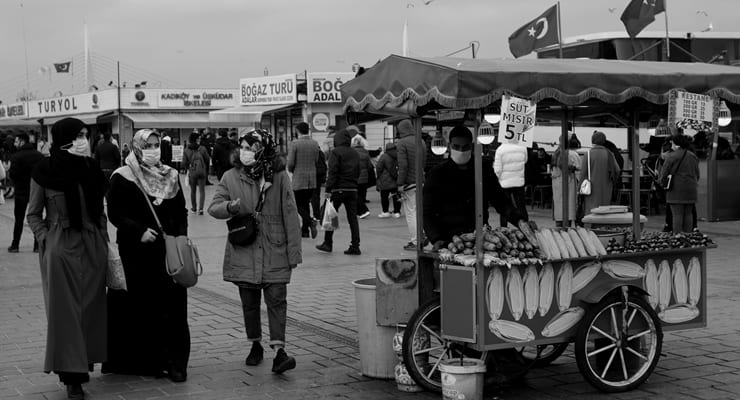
537,33
62,68
639,14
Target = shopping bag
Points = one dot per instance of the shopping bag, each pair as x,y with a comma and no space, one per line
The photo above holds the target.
330,222
115,276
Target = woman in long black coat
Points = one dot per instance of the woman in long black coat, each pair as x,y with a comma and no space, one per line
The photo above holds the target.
148,332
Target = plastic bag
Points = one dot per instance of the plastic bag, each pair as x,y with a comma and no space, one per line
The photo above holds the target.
330,222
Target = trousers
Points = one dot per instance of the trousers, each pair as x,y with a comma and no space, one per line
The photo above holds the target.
349,199
277,310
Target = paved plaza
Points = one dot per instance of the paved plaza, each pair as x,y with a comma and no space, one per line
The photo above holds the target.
322,329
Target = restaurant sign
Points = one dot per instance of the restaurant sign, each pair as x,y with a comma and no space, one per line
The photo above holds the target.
518,117
278,89
695,111
324,87
13,110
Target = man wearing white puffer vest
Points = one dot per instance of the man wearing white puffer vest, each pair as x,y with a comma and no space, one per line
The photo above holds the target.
508,164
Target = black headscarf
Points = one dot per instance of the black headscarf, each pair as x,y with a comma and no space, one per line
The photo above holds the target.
264,157
66,172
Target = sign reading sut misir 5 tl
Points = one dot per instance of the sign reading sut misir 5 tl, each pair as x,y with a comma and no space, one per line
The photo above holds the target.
517,120
278,89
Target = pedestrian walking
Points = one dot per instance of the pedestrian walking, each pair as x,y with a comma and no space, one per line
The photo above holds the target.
341,189
320,181
222,150
165,147
303,154
259,185
387,172
367,177
509,165
148,331
107,155
682,166
196,160
66,215
406,180
22,163
574,166
604,173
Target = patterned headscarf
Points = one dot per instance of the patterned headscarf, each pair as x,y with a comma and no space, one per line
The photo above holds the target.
264,157
159,181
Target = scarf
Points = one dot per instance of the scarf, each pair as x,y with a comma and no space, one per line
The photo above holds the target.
264,157
68,173
159,181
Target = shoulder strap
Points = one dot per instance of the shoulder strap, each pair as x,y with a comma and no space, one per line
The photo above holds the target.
588,165
151,207
679,163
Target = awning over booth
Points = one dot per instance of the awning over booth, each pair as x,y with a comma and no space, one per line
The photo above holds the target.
88,119
171,120
245,115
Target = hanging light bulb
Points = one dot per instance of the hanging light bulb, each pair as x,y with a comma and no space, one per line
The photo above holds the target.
439,144
492,119
486,134
724,115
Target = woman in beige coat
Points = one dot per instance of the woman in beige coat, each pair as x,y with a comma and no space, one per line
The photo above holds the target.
264,265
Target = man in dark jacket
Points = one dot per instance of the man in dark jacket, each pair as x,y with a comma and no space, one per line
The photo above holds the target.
107,155
165,147
21,165
406,180
320,180
341,187
449,193
222,154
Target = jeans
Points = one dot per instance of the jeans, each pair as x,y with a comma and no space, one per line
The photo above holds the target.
199,184
682,218
19,211
361,197
316,202
517,198
277,310
303,203
385,203
349,199
409,208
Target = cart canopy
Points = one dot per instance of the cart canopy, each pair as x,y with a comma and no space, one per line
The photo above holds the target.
402,84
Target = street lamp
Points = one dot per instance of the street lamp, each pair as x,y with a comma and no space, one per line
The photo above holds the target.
724,115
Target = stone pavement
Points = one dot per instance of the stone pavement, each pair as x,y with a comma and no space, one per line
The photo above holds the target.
322,330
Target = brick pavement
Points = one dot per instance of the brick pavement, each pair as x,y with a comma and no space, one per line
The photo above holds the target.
696,364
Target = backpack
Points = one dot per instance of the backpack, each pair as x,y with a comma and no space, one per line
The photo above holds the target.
197,164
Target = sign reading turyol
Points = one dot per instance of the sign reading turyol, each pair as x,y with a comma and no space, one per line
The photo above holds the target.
324,87
517,121
278,89
106,100
14,110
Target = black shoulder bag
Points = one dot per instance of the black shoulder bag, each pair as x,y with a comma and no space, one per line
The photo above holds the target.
243,229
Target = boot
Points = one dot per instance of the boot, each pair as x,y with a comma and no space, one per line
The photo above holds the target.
282,362
74,391
324,247
353,251
255,355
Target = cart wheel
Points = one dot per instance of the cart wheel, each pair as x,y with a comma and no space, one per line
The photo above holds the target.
424,348
617,347
547,354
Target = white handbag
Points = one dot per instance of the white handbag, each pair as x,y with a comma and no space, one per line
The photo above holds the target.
585,188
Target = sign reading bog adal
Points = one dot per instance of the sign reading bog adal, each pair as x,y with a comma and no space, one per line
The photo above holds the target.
324,87
518,118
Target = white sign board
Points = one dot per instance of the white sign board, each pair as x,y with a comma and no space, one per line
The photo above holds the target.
518,117
177,151
320,122
278,89
106,100
198,98
692,111
324,87
13,110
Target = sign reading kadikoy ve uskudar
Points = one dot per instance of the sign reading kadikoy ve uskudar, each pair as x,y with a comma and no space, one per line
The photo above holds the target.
518,117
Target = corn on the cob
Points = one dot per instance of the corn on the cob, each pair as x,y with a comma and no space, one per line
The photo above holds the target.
585,274
512,332
552,245
576,239
543,245
515,293
680,284
572,252
650,282
587,241
623,270
564,286
664,285
597,243
495,292
547,283
678,313
694,274
531,291
563,321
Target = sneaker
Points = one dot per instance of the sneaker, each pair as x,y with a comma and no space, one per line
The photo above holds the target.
324,247
74,391
282,362
255,355
193,210
410,246
353,251
384,215
13,249
364,215
200,212
396,215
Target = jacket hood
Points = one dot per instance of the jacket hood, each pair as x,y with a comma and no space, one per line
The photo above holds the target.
342,138
405,128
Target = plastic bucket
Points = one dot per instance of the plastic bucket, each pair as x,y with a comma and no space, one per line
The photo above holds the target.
377,358
462,381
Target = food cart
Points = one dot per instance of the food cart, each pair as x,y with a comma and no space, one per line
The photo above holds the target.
614,305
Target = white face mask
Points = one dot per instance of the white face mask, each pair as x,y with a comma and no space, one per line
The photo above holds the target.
246,157
460,157
79,147
151,157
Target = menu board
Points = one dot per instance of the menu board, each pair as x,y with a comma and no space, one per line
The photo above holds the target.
694,111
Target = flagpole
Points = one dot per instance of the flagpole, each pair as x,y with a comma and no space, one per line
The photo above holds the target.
560,32
25,48
87,57
667,38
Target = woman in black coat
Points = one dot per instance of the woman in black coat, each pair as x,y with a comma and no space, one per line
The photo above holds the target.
683,166
148,332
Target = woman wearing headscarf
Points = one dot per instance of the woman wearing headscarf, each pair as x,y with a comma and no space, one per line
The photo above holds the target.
574,165
65,212
604,173
148,331
683,166
265,265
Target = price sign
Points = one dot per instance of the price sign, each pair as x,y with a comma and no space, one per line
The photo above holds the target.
177,151
518,118
695,111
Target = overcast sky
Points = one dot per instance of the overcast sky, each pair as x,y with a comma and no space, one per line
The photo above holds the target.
213,43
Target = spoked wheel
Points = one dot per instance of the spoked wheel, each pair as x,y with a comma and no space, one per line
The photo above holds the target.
424,348
543,355
618,344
